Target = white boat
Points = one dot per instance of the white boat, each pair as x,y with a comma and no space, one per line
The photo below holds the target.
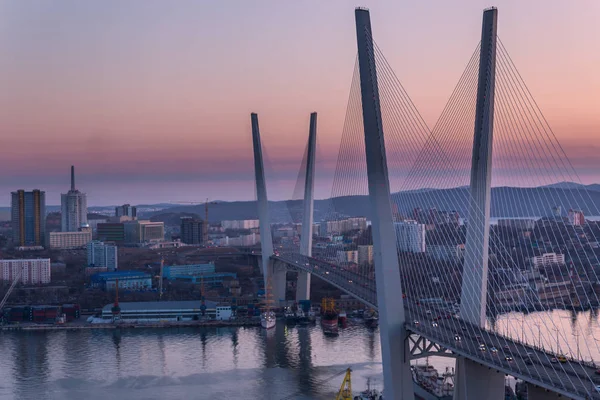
369,394
267,319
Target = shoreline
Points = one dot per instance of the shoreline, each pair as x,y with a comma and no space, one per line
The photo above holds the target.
126,325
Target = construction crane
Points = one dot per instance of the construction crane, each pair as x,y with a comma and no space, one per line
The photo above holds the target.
345,392
205,225
10,289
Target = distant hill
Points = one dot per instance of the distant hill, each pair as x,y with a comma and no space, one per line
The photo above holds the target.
506,202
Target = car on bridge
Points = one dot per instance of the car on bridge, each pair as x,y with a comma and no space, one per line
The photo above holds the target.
457,337
561,358
482,347
434,324
493,350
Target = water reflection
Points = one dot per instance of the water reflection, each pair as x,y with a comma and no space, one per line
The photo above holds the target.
568,332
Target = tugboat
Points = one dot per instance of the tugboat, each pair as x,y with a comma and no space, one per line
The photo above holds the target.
329,317
372,319
290,317
267,317
370,393
301,317
311,316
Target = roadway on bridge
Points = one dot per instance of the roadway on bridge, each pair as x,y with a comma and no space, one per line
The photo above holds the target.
569,379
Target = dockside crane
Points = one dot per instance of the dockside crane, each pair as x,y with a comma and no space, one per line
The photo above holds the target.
10,289
345,392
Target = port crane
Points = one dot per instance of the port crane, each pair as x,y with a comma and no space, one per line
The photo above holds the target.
205,225
345,392
11,287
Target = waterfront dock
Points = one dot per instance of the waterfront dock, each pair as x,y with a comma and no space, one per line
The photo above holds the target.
128,325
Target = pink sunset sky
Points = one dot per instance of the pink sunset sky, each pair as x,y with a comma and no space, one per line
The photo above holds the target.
151,100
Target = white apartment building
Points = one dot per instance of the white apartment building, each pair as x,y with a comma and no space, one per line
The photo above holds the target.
547,259
34,271
69,240
240,224
102,255
410,236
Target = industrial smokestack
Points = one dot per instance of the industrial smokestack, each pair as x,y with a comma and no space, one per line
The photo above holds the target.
73,177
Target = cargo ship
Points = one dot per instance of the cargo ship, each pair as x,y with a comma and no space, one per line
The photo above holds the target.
428,378
329,316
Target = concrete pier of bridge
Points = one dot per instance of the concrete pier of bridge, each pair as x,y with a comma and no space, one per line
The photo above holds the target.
303,284
474,381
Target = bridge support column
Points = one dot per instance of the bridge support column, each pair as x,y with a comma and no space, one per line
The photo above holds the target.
266,241
278,274
537,393
473,298
474,381
397,377
303,284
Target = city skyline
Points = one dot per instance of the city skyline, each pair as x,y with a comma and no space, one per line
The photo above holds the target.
146,93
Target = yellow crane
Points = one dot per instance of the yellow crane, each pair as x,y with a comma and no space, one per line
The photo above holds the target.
345,392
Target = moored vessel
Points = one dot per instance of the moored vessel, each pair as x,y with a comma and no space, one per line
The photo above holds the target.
267,317
329,316
372,319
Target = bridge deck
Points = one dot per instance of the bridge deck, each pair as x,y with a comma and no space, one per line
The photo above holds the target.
570,379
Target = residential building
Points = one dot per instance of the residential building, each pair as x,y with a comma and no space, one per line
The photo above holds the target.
343,225
138,232
576,217
133,280
126,210
547,259
34,271
238,241
446,252
347,256
240,224
410,236
70,240
365,254
28,212
192,230
102,255
517,223
73,207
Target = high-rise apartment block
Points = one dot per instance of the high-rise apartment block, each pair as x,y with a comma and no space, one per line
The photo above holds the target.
101,255
192,230
28,212
410,236
73,207
32,272
126,210
576,217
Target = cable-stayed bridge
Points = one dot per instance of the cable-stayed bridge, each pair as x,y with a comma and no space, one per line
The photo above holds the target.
436,277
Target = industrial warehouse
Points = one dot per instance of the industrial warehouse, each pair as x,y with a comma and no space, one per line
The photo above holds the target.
153,311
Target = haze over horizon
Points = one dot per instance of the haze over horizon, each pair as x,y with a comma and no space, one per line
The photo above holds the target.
151,103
